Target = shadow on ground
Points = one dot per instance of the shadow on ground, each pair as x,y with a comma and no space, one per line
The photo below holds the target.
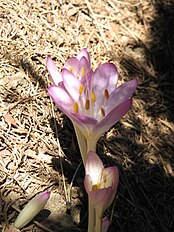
145,198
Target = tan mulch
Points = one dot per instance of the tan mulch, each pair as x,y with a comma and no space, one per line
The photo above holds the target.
38,148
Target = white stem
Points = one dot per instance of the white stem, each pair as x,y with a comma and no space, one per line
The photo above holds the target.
98,224
82,143
91,216
91,146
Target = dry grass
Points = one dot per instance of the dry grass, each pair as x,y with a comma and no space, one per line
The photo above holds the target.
138,37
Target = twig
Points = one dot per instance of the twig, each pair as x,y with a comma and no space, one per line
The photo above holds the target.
96,22
73,180
60,152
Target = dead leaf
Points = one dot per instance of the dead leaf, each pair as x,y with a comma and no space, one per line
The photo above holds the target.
11,229
9,119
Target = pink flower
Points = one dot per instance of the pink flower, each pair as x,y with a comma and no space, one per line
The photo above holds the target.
77,65
100,183
90,99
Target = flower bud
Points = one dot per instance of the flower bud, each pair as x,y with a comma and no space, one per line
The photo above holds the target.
32,208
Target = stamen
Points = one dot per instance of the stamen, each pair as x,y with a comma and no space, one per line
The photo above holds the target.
106,94
83,71
96,186
76,108
104,179
71,70
93,98
103,111
87,104
81,89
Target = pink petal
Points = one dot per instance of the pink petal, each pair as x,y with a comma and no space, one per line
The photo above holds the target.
83,53
73,65
112,180
88,121
55,76
120,94
86,81
88,183
112,176
105,77
44,196
93,167
66,104
114,116
100,199
84,123
84,64
71,84
61,98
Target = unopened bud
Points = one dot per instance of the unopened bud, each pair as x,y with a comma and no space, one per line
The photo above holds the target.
32,208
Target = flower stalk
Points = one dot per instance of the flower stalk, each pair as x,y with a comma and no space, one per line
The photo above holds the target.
98,225
82,143
91,146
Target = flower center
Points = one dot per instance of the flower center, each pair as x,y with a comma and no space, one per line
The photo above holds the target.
88,103
102,182
96,186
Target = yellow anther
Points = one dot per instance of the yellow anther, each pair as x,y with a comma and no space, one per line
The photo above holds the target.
81,89
83,71
87,104
106,94
103,111
76,108
71,70
104,177
96,186
93,98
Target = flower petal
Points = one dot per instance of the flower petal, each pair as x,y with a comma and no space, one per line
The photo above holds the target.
112,180
83,53
93,167
84,67
61,98
85,125
72,64
71,84
86,120
66,105
110,119
105,77
112,176
100,199
55,76
120,94
88,183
